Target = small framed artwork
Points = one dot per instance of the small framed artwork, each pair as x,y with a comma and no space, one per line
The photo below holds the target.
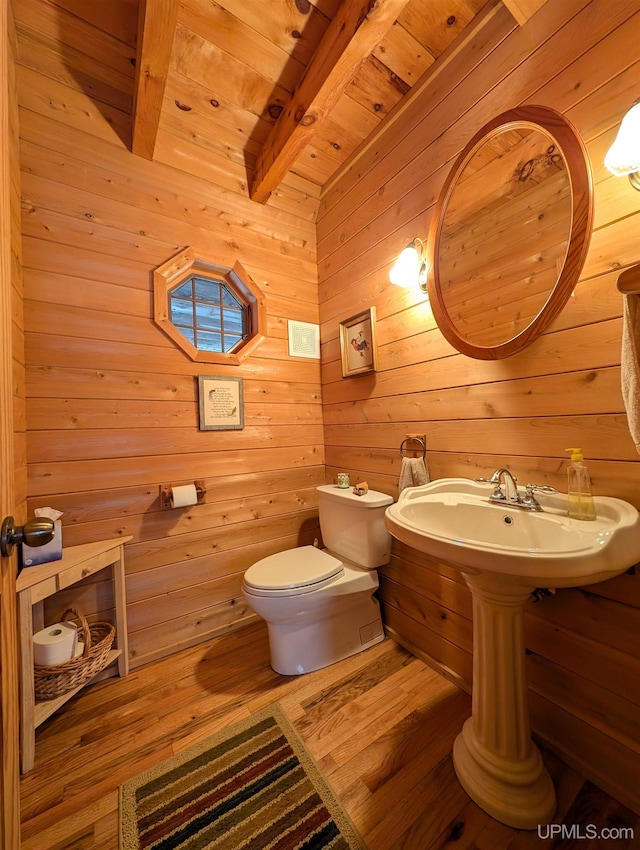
358,344
221,403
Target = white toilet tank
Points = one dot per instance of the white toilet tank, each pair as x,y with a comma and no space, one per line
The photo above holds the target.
353,526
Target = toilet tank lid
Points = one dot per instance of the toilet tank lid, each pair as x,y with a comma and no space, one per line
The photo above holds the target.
372,499
300,567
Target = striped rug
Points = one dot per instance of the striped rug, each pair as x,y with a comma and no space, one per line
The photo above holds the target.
253,786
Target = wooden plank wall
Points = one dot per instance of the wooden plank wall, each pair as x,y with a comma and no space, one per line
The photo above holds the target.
112,407
12,436
19,428
584,660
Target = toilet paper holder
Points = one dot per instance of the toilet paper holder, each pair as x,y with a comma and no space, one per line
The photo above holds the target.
166,494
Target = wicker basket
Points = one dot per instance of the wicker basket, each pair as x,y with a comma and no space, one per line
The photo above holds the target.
58,679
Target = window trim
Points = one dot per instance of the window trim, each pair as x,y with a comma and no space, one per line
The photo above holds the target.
186,264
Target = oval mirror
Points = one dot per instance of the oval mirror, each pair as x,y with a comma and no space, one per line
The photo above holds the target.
511,232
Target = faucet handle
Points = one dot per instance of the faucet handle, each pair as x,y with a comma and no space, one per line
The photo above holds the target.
495,483
544,488
495,478
529,500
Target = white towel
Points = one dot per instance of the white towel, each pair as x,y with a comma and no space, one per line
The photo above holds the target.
630,365
413,472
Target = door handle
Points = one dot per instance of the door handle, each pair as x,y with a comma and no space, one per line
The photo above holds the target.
36,532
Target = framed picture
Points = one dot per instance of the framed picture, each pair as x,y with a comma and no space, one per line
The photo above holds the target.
358,344
221,403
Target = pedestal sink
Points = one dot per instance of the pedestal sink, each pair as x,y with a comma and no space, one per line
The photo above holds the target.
504,553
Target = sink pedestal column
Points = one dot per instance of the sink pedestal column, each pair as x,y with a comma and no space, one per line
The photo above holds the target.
495,759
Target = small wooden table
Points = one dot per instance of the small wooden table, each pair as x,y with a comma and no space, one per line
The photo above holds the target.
34,584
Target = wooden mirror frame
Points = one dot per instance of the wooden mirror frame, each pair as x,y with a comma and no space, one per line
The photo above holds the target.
575,155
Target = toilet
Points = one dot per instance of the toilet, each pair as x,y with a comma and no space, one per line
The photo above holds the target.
318,603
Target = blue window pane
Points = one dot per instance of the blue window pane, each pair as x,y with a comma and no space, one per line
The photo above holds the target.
184,291
230,342
208,317
209,341
207,290
229,299
233,322
189,333
181,312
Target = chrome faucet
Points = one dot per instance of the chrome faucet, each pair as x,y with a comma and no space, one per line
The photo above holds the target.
510,493
505,491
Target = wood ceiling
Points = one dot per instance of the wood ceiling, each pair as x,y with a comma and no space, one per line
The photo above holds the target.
275,95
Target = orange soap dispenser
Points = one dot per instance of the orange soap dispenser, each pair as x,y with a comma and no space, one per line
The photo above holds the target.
579,488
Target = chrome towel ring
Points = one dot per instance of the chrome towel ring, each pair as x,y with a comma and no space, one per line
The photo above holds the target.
413,440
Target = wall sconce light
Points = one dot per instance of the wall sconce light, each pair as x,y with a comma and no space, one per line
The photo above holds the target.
410,269
623,157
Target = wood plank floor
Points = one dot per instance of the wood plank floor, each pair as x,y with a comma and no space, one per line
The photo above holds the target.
380,725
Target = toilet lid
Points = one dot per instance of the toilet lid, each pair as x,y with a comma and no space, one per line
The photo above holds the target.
294,568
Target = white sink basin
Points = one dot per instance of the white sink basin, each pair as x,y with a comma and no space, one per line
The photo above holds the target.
503,553
452,520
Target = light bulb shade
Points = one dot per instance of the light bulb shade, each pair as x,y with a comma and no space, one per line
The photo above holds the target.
623,157
406,269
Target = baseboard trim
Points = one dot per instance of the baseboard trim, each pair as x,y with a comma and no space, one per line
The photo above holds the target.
447,672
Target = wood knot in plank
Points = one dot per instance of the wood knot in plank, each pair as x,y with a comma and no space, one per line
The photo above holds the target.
304,118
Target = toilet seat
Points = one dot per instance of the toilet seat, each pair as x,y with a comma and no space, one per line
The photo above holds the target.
292,572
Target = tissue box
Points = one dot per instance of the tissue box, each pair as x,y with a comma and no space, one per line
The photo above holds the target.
33,556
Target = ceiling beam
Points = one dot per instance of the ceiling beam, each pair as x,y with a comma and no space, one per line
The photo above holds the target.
522,10
156,29
351,36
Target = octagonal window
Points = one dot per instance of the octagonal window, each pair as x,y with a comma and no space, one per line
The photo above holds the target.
216,315
209,314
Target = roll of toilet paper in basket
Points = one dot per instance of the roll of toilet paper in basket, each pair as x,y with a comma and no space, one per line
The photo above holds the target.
55,644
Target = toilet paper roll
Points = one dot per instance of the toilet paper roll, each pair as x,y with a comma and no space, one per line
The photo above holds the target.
55,644
183,496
